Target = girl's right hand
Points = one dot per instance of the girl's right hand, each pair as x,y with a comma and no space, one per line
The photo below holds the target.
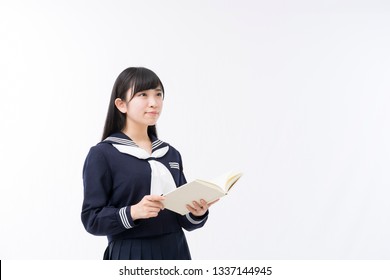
148,207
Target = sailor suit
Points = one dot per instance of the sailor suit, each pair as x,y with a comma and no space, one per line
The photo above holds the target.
117,174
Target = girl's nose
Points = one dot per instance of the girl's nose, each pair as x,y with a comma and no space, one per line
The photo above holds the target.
153,102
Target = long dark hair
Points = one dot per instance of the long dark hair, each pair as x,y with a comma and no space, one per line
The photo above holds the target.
137,79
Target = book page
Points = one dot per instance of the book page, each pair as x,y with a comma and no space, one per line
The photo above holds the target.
232,180
227,180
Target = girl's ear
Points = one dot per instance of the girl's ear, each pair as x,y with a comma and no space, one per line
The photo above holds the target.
121,105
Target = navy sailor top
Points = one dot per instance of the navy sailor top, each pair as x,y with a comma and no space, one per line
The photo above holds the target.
116,175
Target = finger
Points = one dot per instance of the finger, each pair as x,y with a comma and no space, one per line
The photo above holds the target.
152,212
203,203
153,197
154,206
196,212
196,205
211,203
193,211
200,209
154,201
190,208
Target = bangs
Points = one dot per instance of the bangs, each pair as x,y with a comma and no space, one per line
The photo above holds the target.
144,79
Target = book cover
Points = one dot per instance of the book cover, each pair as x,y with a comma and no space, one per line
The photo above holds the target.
209,190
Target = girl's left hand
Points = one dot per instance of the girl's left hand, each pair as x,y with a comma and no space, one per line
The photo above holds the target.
199,208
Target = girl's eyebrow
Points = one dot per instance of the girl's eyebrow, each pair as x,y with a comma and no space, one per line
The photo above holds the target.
156,89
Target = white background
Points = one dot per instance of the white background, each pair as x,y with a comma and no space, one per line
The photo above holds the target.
295,94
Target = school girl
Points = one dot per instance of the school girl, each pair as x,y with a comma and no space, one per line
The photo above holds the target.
125,174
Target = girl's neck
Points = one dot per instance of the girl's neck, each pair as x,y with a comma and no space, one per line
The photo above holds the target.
139,136
136,134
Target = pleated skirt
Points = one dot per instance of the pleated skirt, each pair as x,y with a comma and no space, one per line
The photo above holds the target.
172,246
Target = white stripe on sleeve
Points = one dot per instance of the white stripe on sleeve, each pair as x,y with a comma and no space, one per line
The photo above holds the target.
125,221
192,221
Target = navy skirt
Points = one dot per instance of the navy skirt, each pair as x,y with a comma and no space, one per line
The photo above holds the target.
171,246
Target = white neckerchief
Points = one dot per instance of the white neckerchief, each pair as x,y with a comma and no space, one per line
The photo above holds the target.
162,181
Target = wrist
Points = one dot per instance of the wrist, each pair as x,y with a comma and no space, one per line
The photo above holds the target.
133,213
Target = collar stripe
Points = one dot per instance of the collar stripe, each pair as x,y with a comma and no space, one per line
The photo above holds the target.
156,143
121,141
128,142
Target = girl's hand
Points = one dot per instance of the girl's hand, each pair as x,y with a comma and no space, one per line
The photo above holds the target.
200,208
148,207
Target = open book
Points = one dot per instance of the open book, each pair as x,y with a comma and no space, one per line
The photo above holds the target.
196,190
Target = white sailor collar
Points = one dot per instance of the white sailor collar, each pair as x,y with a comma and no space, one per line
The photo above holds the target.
161,179
125,145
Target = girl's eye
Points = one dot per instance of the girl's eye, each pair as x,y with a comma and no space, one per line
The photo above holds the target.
160,94
142,94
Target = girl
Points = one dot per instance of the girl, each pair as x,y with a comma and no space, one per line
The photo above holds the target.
125,174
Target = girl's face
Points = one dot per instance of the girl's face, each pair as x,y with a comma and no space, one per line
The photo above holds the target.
145,107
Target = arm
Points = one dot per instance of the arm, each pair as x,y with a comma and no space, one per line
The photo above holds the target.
97,216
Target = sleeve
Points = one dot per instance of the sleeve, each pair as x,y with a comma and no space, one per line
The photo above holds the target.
97,216
190,222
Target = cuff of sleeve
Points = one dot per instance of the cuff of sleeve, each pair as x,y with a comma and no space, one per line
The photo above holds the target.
199,217
196,219
125,218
